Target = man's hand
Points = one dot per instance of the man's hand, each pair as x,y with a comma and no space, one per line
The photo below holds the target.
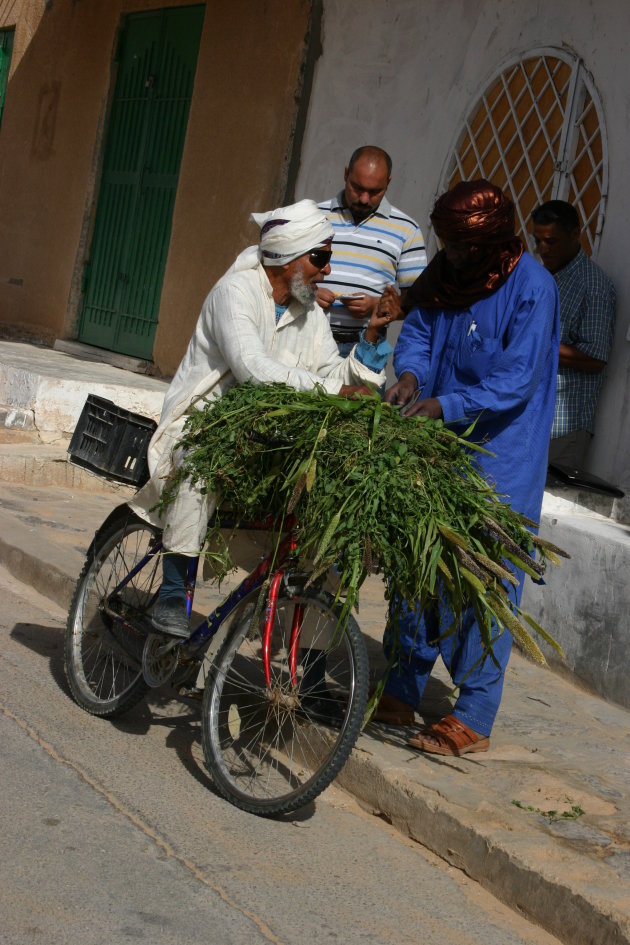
355,390
360,306
325,297
431,407
402,392
572,357
390,305
375,325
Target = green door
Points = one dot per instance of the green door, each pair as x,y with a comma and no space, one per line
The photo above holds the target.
123,278
6,48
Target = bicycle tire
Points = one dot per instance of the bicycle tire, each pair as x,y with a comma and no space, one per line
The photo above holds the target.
271,750
102,654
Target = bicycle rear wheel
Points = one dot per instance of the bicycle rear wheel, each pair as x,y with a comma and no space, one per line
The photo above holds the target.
107,628
272,749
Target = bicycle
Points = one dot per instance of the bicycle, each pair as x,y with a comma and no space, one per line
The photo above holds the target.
285,696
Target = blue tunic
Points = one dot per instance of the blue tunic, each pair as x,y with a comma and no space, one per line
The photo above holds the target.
495,362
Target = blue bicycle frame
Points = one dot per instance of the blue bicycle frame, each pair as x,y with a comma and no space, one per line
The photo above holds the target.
203,634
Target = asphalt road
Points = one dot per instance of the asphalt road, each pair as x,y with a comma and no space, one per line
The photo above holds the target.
112,834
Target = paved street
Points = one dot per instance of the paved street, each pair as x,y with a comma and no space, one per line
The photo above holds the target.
112,834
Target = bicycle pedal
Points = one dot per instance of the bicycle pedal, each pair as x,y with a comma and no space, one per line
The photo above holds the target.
169,643
191,692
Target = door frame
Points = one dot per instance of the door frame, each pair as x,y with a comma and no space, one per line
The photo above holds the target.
76,293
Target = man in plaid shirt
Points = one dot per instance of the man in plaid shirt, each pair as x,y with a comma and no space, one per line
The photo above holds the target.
587,319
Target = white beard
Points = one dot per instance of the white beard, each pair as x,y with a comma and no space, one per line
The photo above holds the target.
302,291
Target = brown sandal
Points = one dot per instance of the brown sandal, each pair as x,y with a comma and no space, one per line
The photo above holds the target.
393,711
449,736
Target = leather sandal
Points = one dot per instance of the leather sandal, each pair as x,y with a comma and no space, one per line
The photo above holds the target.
393,711
449,736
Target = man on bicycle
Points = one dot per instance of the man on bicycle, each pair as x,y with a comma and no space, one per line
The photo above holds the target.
261,322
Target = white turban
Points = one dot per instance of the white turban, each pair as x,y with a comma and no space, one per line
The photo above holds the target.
289,232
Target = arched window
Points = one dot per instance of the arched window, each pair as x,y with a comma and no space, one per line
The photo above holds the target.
538,132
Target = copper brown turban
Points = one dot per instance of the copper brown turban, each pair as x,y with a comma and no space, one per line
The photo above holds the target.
475,213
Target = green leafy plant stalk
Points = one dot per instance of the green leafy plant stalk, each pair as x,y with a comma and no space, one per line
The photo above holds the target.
372,490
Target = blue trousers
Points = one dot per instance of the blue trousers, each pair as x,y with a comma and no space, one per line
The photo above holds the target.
480,683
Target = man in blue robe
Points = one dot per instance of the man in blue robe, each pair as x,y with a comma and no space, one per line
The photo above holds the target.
480,343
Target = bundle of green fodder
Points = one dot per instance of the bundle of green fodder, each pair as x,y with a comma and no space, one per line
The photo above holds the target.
370,489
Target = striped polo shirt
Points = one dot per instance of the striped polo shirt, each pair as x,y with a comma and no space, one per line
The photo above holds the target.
385,249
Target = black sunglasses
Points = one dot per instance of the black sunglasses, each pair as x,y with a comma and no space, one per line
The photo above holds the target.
320,257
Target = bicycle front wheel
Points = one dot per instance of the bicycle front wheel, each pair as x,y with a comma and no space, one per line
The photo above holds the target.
109,620
273,748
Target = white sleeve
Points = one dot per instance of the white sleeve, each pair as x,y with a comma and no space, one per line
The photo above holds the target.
332,365
237,330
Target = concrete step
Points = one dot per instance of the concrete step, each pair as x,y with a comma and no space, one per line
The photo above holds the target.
45,533
24,459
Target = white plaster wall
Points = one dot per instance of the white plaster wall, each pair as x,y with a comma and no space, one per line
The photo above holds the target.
585,604
403,74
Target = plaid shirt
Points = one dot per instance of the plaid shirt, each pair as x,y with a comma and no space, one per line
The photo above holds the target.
587,319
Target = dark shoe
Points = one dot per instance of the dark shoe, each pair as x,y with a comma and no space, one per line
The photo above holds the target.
170,616
313,670
322,708
393,711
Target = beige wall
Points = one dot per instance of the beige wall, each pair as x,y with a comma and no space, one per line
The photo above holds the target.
237,148
236,153
24,15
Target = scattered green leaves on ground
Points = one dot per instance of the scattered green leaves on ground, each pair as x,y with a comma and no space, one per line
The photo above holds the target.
553,815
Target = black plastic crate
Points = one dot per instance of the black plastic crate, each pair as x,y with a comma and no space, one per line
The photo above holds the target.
112,441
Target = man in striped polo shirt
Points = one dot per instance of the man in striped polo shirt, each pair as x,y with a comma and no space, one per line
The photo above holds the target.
374,245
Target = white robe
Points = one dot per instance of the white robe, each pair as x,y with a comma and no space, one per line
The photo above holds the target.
237,339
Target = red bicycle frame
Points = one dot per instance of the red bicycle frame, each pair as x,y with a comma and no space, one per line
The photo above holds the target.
287,546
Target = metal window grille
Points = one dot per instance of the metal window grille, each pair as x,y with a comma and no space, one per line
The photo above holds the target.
538,132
